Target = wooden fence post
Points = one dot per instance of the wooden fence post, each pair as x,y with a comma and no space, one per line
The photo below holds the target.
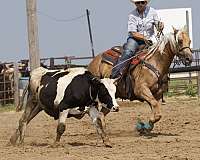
16,86
34,57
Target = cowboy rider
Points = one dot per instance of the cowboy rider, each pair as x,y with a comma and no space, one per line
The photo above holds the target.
141,23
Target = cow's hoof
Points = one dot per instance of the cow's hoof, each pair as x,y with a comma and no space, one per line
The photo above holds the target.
13,140
107,143
116,109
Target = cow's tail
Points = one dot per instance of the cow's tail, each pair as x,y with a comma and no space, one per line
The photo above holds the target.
21,101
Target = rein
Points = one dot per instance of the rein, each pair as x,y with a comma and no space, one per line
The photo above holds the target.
90,93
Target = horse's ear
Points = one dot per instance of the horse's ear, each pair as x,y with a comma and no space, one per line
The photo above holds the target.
185,28
175,30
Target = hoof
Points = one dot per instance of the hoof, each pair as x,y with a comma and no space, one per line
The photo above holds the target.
13,140
116,109
156,118
108,145
107,142
144,128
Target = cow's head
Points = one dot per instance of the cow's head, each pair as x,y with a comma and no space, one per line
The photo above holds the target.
106,94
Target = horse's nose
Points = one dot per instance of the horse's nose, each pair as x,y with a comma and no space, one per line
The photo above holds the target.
188,61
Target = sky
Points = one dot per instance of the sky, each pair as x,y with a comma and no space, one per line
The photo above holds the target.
60,35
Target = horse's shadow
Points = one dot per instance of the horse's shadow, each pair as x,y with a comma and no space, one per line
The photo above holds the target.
124,133
116,134
75,144
62,145
39,144
154,135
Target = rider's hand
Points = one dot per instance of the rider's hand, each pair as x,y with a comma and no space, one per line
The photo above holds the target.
149,42
160,26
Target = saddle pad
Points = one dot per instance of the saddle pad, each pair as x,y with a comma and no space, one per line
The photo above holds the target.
136,60
110,56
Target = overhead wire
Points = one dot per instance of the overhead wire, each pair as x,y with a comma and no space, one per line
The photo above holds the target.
61,20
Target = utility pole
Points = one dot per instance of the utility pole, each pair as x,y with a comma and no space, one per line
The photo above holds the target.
34,58
90,32
188,31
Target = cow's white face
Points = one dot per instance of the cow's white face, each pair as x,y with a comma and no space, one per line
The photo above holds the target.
111,88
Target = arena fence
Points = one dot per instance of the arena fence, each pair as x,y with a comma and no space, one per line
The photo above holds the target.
6,88
183,80
9,90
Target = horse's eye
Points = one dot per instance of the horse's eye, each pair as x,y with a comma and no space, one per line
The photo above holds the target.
180,41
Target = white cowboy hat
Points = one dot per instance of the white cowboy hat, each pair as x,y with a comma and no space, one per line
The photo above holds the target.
133,1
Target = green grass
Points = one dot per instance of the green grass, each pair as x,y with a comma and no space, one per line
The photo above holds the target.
182,87
6,108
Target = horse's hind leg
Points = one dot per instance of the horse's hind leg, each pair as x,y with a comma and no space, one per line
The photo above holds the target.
145,93
30,112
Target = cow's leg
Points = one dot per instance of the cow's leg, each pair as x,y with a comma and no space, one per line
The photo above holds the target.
30,112
26,113
26,121
96,119
103,112
61,124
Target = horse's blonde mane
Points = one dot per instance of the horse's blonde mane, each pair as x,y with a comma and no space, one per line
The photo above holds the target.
164,40
169,37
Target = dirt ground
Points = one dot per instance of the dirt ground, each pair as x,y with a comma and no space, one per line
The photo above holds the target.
175,137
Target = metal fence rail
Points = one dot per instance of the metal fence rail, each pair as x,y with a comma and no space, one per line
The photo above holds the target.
179,72
9,88
6,89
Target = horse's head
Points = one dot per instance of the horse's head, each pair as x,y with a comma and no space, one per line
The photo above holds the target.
182,42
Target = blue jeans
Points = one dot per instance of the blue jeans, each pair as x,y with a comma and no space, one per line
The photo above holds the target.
129,51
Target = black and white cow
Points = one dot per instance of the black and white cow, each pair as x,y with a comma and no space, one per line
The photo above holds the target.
67,93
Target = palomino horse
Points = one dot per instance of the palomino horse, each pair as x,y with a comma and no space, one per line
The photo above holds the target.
146,78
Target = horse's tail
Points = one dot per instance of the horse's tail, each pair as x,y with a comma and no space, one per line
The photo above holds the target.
21,101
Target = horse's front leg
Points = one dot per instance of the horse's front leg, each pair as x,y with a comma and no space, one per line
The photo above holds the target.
145,93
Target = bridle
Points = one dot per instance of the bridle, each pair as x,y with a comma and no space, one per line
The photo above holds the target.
177,46
185,47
